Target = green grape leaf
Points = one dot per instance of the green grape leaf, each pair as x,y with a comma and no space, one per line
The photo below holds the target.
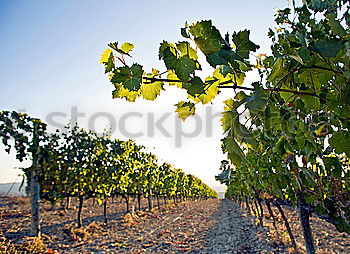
287,97
279,148
226,75
303,38
277,70
235,153
328,48
222,57
211,90
185,49
224,70
196,87
311,79
224,175
272,117
230,114
243,44
109,65
238,78
241,96
342,224
345,94
307,177
311,102
227,120
182,66
243,66
184,32
185,109
301,55
318,5
129,77
207,37
257,101
340,141
335,24
333,165
242,134
230,122
347,48
300,139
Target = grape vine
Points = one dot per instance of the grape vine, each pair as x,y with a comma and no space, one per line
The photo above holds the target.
78,163
286,134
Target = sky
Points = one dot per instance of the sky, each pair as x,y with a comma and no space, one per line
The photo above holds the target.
49,68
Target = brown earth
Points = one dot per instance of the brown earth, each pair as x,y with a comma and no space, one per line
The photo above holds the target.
211,226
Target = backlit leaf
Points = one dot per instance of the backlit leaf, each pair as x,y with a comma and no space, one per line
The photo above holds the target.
185,109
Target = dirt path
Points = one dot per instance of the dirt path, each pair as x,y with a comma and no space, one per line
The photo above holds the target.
235,232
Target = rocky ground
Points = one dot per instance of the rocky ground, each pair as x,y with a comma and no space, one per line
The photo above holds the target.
212,226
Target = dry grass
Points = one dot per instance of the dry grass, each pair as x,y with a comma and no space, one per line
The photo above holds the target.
83,233
29,245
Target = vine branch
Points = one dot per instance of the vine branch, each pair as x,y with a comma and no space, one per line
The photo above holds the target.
274,90
151,80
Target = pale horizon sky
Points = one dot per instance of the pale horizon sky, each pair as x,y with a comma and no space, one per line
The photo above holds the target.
49,63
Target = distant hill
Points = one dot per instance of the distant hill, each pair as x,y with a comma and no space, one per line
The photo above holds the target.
221,195
12,189
220,189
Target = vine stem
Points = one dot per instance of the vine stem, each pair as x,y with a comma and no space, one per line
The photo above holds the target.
274,90
164,80
238,87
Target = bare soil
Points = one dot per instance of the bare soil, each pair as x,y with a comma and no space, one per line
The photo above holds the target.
211,226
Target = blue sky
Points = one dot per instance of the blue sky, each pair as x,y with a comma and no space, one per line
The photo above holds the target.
49,62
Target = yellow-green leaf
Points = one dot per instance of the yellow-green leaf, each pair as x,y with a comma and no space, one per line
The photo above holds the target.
127,47
105,55
151,91
185,109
